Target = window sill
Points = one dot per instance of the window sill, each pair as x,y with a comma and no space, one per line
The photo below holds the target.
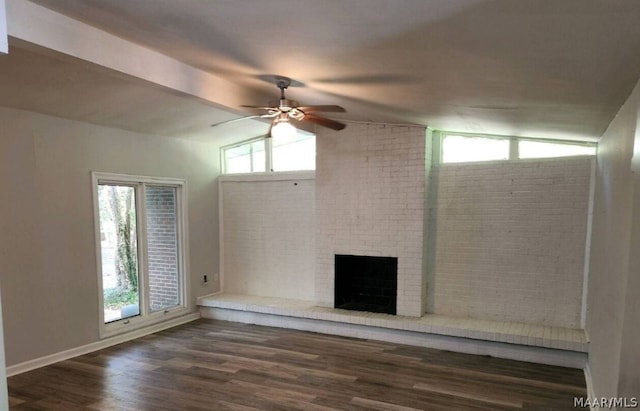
272,176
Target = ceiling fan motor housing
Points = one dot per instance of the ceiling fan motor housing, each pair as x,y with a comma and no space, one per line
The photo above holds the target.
284,104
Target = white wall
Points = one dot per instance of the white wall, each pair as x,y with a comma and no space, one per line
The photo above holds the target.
613,318
48,271
268,235
508,240
370,183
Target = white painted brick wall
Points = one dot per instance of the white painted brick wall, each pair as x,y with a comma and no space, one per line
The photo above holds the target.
507,240
268,237
370,183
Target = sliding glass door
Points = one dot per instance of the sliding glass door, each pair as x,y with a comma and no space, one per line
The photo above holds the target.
140,245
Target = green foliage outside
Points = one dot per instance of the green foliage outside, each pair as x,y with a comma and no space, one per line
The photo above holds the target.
115,298
118,220
117,209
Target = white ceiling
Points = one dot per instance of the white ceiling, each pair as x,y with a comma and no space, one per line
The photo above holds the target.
539,68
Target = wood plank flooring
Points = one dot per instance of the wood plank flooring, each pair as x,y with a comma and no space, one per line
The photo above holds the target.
217,365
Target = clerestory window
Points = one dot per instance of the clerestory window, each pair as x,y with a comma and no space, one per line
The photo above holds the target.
270,154
467,148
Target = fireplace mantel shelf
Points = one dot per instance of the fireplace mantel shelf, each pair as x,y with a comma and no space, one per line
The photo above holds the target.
558,338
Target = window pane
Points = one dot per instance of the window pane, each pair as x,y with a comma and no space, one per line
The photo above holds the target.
162,247
459,149
258,156
298,154
539,149
119,251
238,159
245,158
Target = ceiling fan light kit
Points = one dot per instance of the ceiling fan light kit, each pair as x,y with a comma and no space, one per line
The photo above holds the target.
282,129
284,110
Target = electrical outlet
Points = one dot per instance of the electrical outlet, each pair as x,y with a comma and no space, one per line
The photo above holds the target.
216,277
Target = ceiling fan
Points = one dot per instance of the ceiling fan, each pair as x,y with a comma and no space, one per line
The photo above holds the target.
284,110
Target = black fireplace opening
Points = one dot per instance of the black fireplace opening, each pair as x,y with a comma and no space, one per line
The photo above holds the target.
365,283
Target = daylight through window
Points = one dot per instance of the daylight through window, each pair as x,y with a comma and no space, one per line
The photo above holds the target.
542,149
455,148
458,149
140,248
260,155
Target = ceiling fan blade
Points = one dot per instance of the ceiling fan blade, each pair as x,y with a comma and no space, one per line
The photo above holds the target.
325,108
324,122
290,109
234,120
257,107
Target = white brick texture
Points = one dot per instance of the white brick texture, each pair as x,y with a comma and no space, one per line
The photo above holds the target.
507,240
269,237
370,183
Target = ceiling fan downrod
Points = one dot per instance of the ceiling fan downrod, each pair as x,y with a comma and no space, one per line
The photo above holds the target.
283,84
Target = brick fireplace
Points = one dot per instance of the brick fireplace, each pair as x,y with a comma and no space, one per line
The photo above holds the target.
370,187
368,200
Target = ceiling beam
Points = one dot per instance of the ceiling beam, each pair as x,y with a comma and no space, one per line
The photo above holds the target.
39,26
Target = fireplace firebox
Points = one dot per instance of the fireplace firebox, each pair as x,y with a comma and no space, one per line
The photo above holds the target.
366,283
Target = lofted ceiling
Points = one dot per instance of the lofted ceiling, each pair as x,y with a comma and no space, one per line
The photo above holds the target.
538,68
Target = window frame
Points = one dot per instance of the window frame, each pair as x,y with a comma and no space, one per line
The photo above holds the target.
556,142
146,317
268,152
510,149
514,143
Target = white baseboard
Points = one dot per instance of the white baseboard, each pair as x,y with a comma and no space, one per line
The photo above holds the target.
98,345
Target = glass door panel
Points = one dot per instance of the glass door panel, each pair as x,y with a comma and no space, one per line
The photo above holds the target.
119,251
162,247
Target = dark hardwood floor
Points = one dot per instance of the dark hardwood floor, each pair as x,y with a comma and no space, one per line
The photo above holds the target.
216,365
